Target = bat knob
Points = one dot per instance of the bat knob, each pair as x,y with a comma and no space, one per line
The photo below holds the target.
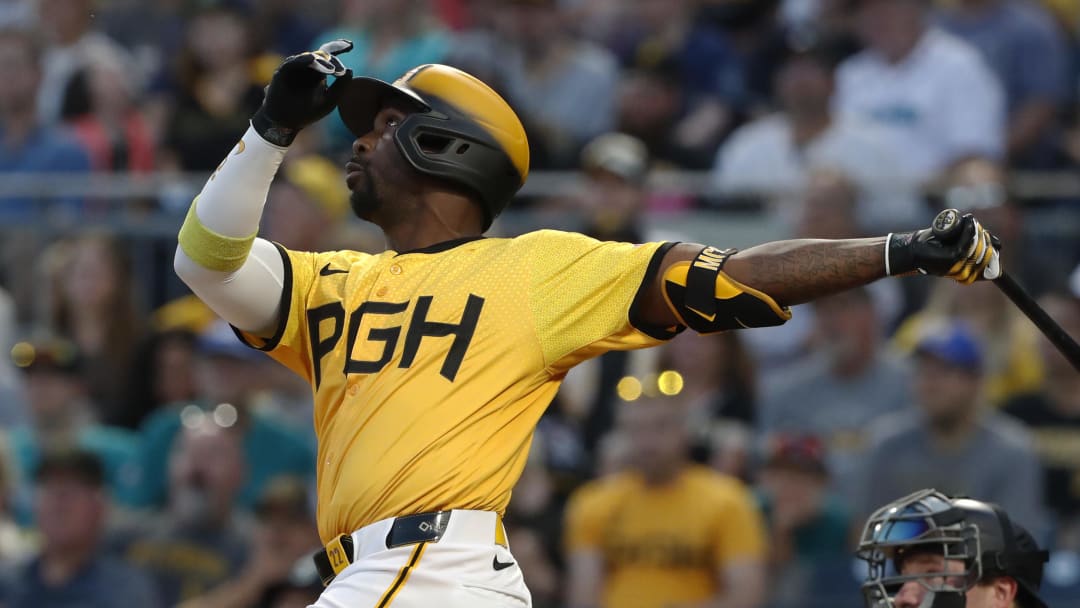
946,225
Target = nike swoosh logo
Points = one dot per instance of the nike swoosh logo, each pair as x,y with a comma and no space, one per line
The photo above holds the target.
326,271
709,318
496,564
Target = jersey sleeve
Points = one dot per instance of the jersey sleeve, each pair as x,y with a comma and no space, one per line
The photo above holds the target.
303,288
741,530
582,295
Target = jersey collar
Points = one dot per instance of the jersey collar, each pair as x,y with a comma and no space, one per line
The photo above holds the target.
443,246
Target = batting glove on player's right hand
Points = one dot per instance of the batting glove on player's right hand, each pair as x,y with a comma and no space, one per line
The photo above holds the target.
297,94
955,247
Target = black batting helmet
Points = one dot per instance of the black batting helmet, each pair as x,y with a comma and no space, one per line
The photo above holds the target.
461,131
979,534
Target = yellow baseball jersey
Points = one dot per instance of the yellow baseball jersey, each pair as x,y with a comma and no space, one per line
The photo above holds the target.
431,368
664,545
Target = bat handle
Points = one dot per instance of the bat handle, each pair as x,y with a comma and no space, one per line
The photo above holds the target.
947,225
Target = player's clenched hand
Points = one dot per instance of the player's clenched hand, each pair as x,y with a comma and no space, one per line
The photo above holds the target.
963,250
297,94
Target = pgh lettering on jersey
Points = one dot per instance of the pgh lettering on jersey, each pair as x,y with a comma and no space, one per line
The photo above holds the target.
419,326
431,368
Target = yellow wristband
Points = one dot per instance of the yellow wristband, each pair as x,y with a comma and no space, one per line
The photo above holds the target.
209,249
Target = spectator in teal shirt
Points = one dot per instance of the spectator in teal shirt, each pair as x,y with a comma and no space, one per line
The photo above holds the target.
228,375
808,525
200,540
389,38
60,413
806,522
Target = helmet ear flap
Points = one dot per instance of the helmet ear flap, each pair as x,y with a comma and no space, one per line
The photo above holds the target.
466,159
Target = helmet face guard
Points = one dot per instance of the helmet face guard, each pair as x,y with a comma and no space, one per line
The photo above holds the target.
923,522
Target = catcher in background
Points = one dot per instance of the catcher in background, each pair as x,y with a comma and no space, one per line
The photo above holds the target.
432,361
927,550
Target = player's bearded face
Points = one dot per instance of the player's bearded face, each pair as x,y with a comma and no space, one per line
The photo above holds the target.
364,195
377,188
382,185
367,168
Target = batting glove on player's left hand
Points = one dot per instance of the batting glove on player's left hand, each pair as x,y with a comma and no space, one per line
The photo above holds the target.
297,94
960,249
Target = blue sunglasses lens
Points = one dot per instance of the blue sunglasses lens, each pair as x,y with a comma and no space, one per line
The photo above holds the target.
901,530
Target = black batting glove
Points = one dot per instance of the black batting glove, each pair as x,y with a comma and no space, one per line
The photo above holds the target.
966,255
297,94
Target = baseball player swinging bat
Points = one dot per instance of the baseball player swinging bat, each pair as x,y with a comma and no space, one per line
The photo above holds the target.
946,227
432,361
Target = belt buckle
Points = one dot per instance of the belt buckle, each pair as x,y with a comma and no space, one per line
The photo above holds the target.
421,528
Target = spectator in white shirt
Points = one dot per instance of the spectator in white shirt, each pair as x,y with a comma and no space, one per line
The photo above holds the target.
772,156
941,100
1027,50
826,210
563,87
68,28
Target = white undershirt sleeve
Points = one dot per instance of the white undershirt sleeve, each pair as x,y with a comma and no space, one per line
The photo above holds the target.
231,204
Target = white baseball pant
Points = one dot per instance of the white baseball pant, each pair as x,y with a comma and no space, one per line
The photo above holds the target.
465,568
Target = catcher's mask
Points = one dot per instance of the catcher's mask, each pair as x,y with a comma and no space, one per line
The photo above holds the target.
980,536
460,130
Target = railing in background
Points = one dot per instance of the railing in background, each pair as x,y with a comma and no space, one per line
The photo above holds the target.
151,204
1023,185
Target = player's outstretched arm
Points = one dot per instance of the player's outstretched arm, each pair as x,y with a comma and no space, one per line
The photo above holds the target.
219,257
702,287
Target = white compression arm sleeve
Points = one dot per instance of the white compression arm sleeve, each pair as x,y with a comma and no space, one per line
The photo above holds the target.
231,205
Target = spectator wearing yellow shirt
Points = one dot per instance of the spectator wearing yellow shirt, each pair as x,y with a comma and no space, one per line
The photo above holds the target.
1011,356
664,533
1012,363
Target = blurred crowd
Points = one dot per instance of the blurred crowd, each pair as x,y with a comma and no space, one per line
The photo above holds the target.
148,459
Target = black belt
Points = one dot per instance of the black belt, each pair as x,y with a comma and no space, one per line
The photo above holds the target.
408,530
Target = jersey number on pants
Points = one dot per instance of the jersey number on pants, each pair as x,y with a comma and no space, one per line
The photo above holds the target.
418,327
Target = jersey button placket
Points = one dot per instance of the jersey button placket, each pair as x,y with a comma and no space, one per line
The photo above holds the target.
394,269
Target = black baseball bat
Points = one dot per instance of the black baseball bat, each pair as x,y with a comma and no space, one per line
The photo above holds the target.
945,227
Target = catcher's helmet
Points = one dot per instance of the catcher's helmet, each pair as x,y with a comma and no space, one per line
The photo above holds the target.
979,534
461,131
